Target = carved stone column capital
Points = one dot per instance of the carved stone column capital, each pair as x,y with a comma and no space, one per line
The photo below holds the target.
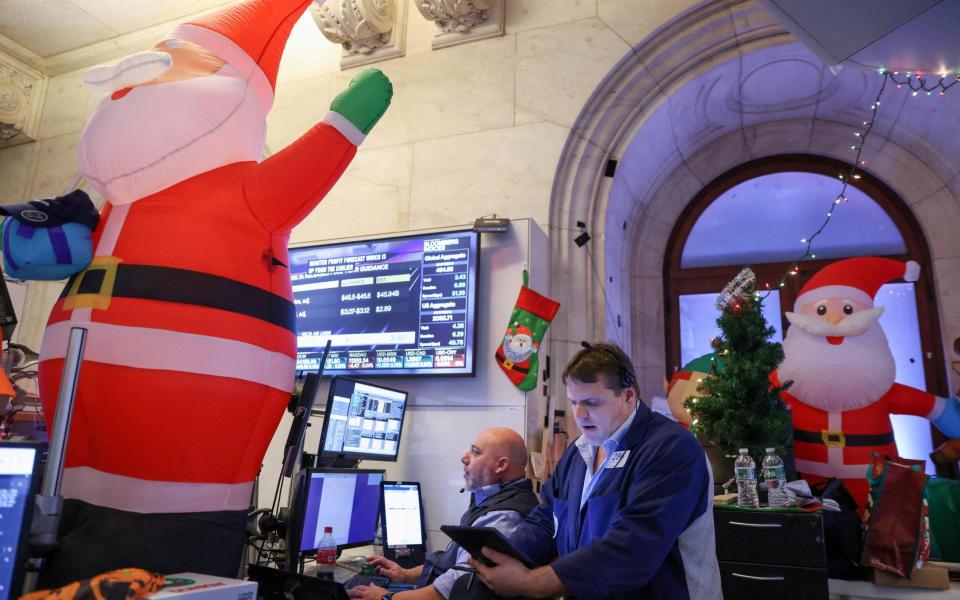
21,99
368,30
455,15
462,21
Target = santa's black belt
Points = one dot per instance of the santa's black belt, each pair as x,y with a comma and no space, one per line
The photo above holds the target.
840,439
183,286
503,360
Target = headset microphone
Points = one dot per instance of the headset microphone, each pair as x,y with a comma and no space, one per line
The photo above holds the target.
463,489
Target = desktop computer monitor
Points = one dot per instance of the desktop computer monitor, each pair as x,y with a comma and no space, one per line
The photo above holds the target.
404,528
18,485
362,421
302,411
346,499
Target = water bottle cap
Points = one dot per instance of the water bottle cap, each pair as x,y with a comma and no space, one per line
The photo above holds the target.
771,450
328,529
744,450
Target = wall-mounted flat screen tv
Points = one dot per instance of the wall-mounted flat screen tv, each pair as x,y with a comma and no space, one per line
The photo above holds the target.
390,306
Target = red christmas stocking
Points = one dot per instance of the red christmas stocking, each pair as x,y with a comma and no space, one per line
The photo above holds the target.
519,350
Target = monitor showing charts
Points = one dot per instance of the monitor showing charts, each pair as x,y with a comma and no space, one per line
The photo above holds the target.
362,421
348,500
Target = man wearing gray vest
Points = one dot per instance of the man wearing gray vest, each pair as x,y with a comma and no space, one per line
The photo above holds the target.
494,468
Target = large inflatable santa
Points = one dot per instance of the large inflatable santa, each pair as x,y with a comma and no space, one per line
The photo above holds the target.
843,374
190,351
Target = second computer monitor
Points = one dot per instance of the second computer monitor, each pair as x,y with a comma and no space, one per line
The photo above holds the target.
402,514
347,500
404,529
362,421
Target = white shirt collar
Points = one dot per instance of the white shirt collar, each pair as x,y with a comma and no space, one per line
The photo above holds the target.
588,451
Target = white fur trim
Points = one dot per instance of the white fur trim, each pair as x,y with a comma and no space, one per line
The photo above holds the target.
913,271
345,127
138,68
832,291
939,405
227,50
145,496
835,468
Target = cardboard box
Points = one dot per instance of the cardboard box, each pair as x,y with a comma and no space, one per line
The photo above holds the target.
195,586
930,577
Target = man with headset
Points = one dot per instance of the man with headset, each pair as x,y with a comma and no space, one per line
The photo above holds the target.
494,468
629,508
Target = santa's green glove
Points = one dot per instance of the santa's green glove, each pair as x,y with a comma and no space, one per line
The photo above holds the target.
358,108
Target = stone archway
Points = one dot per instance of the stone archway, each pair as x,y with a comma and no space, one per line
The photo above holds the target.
720,85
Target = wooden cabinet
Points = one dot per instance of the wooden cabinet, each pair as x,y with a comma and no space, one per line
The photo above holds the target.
771,554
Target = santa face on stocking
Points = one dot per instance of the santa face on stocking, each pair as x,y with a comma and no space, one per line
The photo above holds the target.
843,374
518,344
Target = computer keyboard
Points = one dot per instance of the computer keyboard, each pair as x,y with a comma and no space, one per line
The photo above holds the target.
377,580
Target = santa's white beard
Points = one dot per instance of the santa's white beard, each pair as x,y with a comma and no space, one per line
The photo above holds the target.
158,135
846,376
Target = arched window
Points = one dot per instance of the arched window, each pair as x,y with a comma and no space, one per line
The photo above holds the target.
757,214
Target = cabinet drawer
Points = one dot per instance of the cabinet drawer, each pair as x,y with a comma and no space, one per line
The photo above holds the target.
771,538
743,581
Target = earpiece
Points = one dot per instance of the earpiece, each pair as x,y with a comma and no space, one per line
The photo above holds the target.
626,375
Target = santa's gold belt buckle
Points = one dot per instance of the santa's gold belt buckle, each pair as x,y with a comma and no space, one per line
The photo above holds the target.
104,267
833,439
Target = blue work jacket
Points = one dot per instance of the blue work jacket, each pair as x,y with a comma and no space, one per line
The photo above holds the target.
624,542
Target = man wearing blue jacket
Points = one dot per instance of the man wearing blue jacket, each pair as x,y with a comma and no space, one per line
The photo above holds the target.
629,509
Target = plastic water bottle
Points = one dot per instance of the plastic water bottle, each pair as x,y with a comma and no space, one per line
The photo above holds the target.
775,476
746,471
326,554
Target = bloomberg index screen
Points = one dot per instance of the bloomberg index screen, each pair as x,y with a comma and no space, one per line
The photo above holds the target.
392,306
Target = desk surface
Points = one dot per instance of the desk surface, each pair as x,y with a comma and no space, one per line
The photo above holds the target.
841,589
340,573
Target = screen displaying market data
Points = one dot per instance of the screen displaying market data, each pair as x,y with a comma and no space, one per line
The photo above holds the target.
363,420
390,306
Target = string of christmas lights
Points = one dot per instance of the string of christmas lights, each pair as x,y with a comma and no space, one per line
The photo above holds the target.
915,82
918,83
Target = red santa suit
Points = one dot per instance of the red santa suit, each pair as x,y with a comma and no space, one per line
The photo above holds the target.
838,357
190,353
839,443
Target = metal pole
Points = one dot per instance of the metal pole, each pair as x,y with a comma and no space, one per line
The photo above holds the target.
46,518
61,422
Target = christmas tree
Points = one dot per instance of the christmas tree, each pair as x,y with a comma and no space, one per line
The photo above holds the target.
737,407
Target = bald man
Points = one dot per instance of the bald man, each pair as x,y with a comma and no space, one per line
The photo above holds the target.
494,468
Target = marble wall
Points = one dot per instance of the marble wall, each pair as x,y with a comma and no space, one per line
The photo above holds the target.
521,126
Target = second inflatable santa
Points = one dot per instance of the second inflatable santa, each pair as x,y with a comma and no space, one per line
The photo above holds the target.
843,374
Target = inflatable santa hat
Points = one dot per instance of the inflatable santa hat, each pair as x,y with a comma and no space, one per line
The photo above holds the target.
855,278
249,35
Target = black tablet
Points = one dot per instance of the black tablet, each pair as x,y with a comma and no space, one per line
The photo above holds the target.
472,539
